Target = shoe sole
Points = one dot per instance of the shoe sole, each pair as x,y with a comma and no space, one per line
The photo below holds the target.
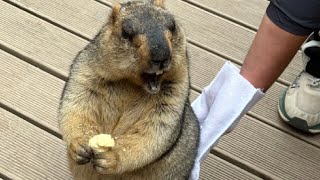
294,122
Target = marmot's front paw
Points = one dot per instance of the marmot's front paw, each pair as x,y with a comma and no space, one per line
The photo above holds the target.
79,151
106,162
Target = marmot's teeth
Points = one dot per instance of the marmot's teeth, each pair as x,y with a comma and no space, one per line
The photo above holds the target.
159,72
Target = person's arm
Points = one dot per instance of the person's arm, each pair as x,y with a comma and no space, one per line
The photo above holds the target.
272,50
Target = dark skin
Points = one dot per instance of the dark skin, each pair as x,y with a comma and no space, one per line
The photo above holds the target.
271,51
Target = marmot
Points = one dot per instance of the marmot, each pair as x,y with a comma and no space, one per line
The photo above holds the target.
131,82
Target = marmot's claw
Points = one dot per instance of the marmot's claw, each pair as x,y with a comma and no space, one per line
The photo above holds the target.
105,162
80,152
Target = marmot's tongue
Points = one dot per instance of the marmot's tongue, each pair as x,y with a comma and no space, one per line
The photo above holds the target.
153,86
153,81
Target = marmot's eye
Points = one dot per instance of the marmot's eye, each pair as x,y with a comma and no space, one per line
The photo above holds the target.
127,30
172,26
125,35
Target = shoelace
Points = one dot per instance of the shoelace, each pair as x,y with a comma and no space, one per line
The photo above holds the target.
295,82
314,82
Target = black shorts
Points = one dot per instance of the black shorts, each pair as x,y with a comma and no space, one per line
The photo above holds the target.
299,17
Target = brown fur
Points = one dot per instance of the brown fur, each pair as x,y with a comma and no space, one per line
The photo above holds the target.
159,3
109,91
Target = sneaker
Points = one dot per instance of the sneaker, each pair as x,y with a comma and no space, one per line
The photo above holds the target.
299,105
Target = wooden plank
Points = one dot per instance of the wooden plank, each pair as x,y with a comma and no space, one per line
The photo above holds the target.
85,18
272,150
42,43
243,164
29,152
5,175
29,90
216,168
248,12
203,28
193,95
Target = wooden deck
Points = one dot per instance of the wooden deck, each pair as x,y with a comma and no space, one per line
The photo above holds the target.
39,39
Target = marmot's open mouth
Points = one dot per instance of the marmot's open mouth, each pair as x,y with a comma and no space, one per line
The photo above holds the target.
152,81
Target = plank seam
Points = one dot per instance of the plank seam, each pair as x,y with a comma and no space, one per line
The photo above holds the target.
214,52
5,177
196,89
101,2
292,133
221,14
22,115
33,62
8,175
241,164
47,19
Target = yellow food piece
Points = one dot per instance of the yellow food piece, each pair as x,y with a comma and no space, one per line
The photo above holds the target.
101,142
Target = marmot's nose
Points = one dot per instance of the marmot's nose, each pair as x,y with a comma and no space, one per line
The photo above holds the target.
160,56
160,65
160,53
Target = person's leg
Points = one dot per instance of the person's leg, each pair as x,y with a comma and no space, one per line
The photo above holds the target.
300,104
271,51
280,35
282,31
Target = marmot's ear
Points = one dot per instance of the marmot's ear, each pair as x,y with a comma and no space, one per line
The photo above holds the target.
116,11
159,3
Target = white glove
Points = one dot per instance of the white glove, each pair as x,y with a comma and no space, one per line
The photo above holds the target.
220,107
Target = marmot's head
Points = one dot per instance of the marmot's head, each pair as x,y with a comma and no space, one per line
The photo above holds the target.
145,45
